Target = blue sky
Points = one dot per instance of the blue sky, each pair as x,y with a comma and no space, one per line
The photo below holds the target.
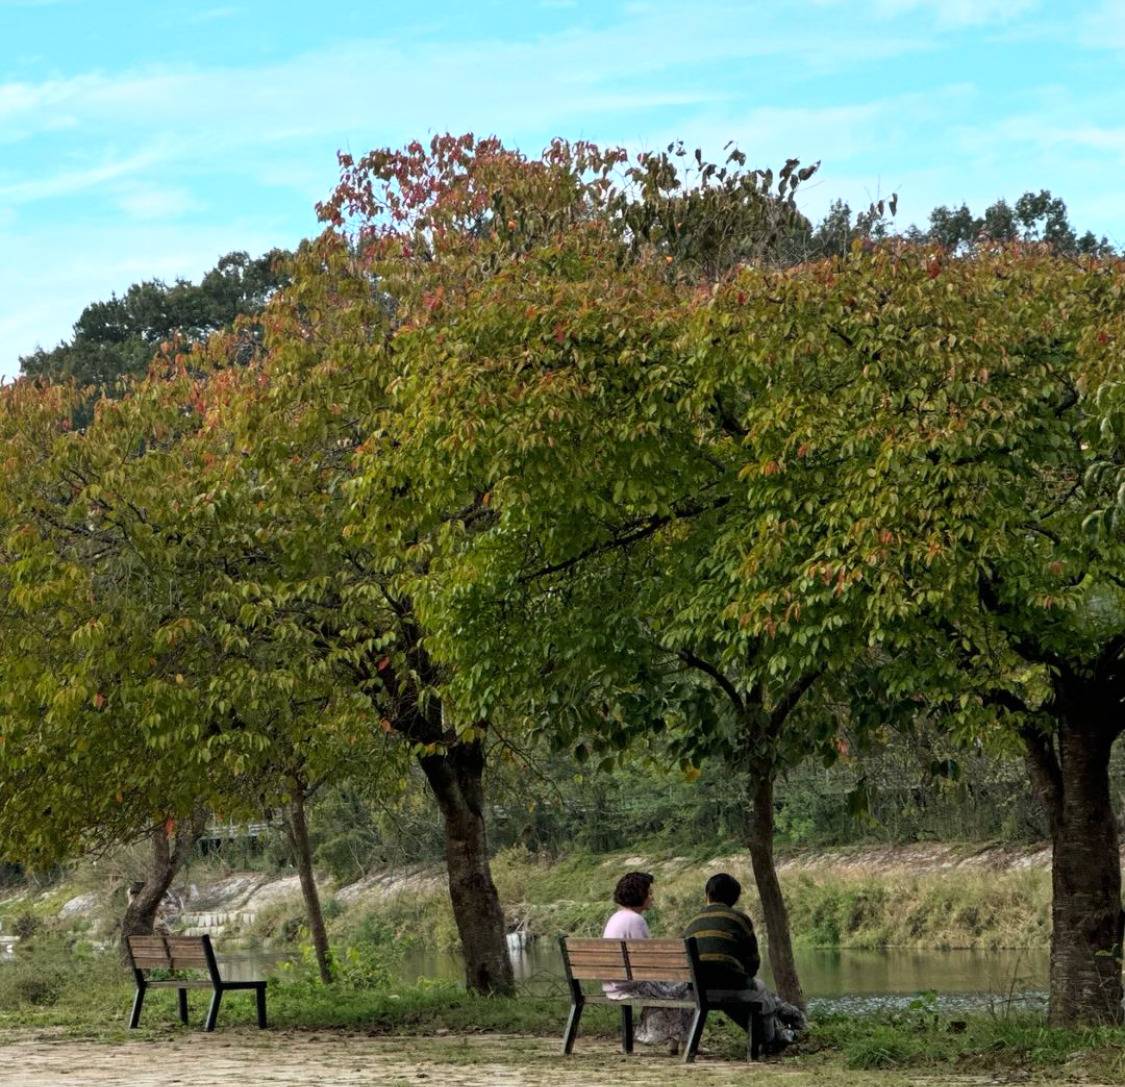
142,139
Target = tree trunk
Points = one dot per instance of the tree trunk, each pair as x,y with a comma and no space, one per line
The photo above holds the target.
455,778
168,856
776,916
298,831
1086,914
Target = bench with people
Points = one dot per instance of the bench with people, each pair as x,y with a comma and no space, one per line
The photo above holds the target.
676,983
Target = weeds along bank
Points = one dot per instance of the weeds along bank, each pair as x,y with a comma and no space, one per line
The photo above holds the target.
835,900
924,896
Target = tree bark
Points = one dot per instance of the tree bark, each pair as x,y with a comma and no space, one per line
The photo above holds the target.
168,856
456,779
1086,916
298,830
775,914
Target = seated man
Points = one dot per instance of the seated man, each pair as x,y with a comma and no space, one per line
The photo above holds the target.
728,955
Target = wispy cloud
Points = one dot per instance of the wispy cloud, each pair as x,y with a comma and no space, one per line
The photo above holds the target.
211,15
951,14
69,182
1103,27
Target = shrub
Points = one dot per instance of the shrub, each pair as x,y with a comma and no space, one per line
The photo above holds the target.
26,925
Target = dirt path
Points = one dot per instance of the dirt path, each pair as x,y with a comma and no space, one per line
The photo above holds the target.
303,1059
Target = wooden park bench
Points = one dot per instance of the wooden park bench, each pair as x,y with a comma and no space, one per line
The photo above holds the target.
604,961
175,953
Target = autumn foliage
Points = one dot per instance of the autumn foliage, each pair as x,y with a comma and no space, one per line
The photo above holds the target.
581,446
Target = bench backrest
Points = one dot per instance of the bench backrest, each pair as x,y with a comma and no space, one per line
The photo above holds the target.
173,953
628,960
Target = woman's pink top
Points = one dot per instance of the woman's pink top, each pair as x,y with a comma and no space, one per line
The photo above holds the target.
626,925
623,925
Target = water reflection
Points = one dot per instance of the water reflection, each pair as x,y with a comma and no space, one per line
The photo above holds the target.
852,978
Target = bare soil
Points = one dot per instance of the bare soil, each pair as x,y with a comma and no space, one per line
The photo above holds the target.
297,1059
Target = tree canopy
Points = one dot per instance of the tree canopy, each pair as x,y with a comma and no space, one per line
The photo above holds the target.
586,447
118,338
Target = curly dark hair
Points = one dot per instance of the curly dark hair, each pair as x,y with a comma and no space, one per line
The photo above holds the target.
632,889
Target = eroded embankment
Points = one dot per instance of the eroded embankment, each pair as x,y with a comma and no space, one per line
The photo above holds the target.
929,895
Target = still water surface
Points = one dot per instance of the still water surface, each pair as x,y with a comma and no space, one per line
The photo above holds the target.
839,980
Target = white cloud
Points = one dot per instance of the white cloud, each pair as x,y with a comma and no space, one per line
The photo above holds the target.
43,298
210,15
69,182
1103,27
147,202
953,14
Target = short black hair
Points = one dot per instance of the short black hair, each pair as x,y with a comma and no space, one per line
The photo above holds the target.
723,888
632,889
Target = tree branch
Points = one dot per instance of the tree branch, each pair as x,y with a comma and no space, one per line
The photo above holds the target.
648,527
729,689
1043,767
790,699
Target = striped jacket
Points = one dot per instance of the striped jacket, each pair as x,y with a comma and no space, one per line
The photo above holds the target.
728,948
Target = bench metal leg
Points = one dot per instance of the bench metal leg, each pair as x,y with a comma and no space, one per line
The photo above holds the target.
626,1028
694,1035
754,1034
182,994
571,1031
260,996
138,1002
213,1011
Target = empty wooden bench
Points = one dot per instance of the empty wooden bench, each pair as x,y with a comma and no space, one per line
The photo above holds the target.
176,953
605,961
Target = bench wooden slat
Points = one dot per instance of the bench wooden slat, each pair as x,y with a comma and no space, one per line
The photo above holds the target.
662,945
187,953
599,973
604,959
641,953
149,952
656,956
610,957
152,962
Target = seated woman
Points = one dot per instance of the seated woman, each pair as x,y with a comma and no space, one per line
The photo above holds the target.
658,1026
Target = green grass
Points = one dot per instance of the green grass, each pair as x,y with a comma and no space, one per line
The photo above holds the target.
88,995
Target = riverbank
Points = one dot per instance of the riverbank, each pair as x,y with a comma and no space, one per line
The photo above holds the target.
929,896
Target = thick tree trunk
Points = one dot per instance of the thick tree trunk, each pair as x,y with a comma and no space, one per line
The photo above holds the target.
456,779
298,830
168,856
776,916
1086,915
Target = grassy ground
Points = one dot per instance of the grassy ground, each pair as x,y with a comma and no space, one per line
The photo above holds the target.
52,994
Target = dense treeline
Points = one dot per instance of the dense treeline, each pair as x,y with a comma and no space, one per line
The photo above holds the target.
596,457
894,795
